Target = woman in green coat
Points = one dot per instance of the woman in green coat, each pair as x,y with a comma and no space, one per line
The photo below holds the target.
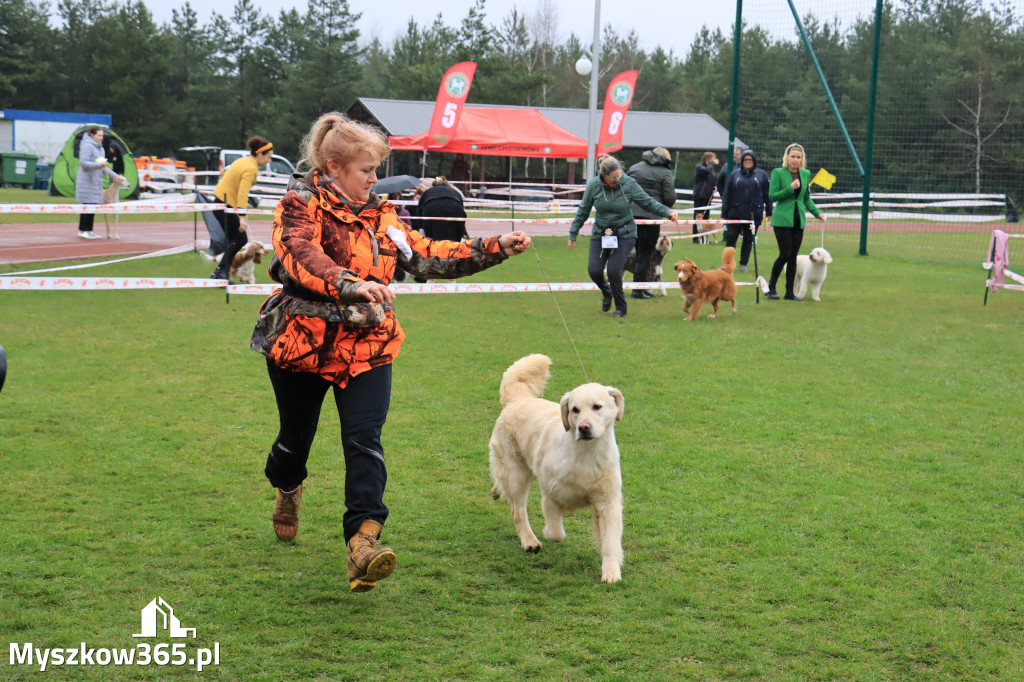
610,194
790,191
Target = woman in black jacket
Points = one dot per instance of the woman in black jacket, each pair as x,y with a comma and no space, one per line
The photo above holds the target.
745,197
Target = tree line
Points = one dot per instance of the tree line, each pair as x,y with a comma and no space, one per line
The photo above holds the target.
949,103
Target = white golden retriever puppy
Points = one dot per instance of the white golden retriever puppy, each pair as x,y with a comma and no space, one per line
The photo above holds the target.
569,448
811,272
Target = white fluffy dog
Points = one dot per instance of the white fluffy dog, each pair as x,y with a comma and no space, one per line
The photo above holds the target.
569,448
811,272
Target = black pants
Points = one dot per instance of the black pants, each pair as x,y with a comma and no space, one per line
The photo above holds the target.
733,231
616,261
85,221
789,240
700,215
363,408
234,237
647,239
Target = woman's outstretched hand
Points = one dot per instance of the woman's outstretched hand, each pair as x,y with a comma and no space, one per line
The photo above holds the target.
514,243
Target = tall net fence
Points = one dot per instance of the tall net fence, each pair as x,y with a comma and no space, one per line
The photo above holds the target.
948,136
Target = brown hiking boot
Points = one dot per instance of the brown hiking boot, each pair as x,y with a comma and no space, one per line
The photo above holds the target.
368,562
286,513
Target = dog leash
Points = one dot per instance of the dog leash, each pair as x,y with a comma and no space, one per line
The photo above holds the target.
559,309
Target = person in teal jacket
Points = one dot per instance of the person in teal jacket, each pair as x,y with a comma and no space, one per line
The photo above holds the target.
610,195
789,190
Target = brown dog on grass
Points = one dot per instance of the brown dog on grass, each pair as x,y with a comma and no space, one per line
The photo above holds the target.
700,287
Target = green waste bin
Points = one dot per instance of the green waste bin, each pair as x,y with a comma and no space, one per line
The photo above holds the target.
18,168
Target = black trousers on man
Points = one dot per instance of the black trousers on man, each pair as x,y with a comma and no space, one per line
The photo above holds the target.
362,408
733,231
646,241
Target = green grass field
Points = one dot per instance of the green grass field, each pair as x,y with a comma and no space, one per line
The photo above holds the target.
813,490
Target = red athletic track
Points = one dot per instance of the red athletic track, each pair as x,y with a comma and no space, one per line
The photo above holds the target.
60,241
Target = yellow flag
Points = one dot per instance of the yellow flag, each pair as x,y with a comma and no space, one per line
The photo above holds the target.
824,178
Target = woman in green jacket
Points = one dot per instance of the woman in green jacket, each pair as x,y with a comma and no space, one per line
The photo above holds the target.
790,191
610,195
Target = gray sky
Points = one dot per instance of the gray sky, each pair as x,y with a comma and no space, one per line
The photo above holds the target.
672,24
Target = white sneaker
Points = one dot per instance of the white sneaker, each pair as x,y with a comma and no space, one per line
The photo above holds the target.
88,235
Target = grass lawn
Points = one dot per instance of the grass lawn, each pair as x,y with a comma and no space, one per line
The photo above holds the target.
823,490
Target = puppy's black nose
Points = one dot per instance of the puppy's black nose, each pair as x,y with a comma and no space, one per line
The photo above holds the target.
584,430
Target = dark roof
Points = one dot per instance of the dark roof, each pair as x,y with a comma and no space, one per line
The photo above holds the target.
641,129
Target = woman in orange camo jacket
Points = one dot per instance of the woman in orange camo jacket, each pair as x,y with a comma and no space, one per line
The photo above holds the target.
333,326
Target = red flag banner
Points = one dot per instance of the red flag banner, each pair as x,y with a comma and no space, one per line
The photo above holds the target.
451,99
616,104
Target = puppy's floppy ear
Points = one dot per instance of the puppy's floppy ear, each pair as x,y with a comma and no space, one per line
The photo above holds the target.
258,258
828,258
565,412
620,402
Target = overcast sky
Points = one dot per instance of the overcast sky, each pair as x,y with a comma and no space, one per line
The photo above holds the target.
672,24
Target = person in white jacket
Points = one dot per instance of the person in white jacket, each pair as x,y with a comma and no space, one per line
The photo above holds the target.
92,166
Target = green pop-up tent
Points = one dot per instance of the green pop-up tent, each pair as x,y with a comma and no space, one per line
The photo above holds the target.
65,168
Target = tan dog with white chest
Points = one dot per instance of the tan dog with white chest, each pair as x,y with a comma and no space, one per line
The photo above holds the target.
700,286
569,448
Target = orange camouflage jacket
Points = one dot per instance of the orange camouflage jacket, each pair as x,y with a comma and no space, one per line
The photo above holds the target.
325,248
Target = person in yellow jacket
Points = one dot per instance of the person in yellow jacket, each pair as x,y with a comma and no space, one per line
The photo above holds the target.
233,190
790,191
332,327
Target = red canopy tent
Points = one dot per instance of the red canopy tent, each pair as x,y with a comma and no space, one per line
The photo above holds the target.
502,132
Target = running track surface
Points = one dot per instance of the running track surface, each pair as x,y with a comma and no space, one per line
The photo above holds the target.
60,241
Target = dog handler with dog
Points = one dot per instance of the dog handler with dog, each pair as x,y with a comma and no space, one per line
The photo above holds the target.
790,191
233,189
333,326
614,233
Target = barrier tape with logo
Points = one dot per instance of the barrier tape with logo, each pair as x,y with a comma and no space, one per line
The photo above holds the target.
126,207
21,283
106,283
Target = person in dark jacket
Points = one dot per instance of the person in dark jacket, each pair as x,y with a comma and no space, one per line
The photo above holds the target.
442,201
656,177
703,189
745,197
724,173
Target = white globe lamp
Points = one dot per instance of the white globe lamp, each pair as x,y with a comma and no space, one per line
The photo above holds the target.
583,66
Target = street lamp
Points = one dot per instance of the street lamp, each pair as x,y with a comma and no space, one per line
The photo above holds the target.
583,68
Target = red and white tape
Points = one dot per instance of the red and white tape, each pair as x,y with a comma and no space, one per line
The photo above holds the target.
21,283
490,287
131,207
106,283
